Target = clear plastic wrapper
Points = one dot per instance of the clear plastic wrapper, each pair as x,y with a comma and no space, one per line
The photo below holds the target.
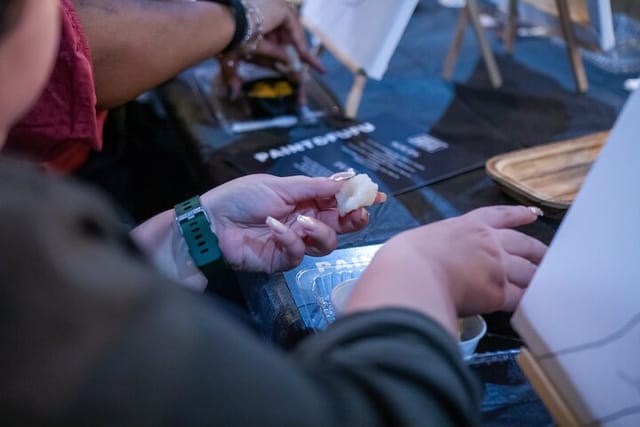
319,283
312,283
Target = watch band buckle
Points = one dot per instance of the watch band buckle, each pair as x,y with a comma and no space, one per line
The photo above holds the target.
187,216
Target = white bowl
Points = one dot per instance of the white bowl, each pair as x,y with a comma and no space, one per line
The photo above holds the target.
473,327
340,295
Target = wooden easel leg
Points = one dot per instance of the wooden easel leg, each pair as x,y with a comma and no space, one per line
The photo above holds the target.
512,27
355,94
485,48
454,49
572,46
545,389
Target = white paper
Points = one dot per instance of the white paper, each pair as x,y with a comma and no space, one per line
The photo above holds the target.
580,316
364,33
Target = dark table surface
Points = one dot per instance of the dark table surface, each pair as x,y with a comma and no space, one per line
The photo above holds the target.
413,88
268,297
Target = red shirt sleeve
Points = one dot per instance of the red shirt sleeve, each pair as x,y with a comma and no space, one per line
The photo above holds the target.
63,126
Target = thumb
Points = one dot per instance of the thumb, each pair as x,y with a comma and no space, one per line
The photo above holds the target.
298,188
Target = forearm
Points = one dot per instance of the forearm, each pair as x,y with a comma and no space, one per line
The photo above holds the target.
138,44
160,240
155,233
388,283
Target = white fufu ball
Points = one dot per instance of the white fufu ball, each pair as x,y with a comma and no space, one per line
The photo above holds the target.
355,193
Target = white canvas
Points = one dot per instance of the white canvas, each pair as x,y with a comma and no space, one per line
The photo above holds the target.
362,33
580,316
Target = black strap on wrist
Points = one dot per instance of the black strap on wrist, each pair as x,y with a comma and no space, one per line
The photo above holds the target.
241,24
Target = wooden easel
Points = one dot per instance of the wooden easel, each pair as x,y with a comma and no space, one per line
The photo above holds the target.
470,13
568,33
352,103
555,403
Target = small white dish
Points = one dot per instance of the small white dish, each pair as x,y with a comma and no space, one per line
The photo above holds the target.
473,329
340,295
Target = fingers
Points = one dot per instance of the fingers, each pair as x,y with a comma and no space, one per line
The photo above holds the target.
312,60
295,189
272,50
299,41
512,296
353,221
299,188
519,271
380,198
523,255
293,248
229,66
275,45
320,239
506,216
307,236
519,244
234,85
331,202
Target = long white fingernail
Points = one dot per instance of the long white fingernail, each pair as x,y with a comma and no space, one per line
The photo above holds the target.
305,220
343,176
536,210
276,225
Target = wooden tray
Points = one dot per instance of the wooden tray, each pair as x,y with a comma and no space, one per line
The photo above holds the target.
548,175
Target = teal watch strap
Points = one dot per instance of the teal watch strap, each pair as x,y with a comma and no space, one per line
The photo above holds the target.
194,225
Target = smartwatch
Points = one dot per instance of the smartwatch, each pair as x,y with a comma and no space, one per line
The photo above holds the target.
195,226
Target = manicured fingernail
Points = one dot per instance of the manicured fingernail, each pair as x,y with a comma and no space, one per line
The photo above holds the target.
382,197
343,176
305,221
276,225
536,210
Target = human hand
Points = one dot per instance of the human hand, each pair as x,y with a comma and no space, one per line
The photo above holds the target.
487,264
283,48
267,223
471,264
282,28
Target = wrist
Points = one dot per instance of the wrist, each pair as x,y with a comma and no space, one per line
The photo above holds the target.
197,229
209,200
248,23
399,276
255,25
430,259
161,241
